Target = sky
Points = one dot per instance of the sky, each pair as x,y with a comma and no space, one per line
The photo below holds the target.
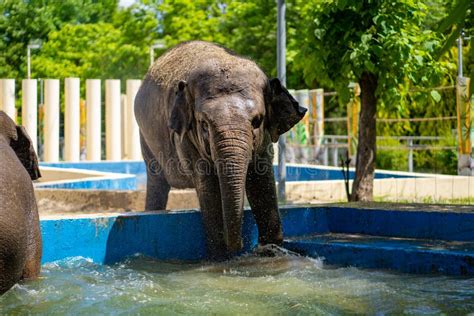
126,3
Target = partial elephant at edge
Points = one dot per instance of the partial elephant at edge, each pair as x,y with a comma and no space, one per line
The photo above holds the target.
20,236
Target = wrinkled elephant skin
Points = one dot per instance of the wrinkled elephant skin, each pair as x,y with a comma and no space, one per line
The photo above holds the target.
207,120
20,237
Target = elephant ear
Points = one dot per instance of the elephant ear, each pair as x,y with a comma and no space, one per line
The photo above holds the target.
7,126
181,114
284,111
25,152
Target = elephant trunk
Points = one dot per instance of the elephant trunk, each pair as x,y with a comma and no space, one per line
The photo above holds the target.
233,148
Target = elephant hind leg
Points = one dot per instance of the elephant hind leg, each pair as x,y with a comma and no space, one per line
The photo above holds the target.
157,187
34,245
12,261
32,269
34,251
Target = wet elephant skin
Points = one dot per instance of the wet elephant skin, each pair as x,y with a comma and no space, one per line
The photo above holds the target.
207,120
20,236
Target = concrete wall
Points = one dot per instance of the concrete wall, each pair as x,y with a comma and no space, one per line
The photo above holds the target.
68,202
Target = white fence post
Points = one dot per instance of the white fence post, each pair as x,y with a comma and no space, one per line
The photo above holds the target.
7,97
335,152
133,141
29,112
326,151
112,120
94,131
410,154
124,124
51,120
302,96
317,105
71,119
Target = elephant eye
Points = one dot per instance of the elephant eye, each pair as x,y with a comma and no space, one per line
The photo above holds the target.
205,128
257,121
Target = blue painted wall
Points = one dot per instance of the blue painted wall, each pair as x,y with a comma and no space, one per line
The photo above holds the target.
393,255
100,183
166,236
128,167
170,236
409,224
294,173
422,243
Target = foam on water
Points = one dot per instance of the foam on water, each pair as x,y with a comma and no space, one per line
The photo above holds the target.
282,284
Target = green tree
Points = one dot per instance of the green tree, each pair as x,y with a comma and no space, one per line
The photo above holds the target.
460,16
246,27
379,44
89,51
100,50
184,20
24,21
138,24
251,31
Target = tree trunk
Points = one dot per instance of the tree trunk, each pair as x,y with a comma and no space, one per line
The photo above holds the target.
363,185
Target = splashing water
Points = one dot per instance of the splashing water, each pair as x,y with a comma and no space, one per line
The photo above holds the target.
282,284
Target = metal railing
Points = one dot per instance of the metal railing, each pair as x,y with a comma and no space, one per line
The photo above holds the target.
332,146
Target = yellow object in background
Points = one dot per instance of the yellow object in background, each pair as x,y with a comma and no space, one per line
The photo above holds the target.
353,109
464,114
82,126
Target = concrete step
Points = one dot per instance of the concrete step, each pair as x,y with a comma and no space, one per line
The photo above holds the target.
381,252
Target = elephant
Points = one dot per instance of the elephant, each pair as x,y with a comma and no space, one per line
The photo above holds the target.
207,119
20,235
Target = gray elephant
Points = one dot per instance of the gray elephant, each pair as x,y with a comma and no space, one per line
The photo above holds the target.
20,236
207,120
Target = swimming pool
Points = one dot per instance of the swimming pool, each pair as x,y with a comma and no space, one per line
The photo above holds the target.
136,172
156,263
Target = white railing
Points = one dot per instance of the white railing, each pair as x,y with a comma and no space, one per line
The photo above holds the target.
121,130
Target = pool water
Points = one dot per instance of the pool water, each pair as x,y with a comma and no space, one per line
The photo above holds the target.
286,284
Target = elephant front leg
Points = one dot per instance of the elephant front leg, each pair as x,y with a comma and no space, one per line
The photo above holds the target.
207,188
262,197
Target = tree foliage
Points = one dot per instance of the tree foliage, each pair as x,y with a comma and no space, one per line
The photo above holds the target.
184,20
460,17
407,45
99,50
103,55
343,39
379,44
24,21
250,22
246,27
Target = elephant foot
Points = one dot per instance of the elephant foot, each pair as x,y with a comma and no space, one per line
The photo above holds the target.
272,250
217,251
219,257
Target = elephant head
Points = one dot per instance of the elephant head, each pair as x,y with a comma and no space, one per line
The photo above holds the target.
20,142
228,124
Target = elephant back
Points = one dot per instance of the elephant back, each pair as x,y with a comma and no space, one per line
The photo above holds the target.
184,60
